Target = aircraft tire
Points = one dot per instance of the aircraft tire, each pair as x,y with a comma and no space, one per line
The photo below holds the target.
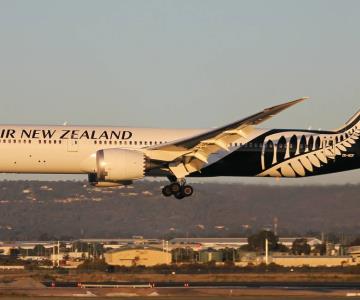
187,190
175,188
166,191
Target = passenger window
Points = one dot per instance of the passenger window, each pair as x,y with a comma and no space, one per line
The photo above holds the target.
115,142
130,142
29,141
145,142
110,142
60,142
150,143
100,142
105,142
54,141
135,143
140,143
39,141
95,142
125,142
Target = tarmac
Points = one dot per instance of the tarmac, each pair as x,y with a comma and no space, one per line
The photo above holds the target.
188,290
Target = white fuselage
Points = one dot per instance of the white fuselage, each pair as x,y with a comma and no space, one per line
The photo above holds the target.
71,149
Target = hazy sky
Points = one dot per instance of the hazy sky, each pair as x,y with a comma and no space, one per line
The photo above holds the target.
179,63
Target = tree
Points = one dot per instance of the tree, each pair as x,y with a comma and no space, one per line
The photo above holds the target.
320,249
183,255
39,250
282,248
257,241
229,254
96,264
300,246
80,246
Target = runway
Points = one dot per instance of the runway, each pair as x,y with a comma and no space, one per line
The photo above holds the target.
186,290
316,286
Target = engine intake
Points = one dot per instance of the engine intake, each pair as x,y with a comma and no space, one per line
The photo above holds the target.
116,165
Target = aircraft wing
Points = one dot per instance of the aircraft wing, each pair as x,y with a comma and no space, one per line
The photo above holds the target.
191,154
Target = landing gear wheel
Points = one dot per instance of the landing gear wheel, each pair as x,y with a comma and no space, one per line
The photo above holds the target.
175,188
178,188
187,190
166,191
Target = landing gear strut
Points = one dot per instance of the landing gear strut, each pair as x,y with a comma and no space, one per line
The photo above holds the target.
179,189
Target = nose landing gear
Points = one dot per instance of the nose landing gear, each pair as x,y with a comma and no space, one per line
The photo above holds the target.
179,190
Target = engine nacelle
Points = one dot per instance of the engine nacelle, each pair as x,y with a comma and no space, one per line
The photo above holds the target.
93,180
116,165
105,184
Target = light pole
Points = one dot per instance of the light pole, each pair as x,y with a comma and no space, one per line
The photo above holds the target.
266,251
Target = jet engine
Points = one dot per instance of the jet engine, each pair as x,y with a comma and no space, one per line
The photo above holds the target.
119,165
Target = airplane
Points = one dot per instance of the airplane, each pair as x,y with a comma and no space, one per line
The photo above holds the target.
114,156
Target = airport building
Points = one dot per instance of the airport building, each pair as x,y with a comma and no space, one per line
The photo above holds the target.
149,252
220,243
129,257
312,261
354,251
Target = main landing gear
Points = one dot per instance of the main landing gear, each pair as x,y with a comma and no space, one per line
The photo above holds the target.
179,189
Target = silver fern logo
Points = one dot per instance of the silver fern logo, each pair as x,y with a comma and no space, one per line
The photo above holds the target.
295,154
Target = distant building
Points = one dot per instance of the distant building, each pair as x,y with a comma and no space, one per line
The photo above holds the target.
5,249
288,241
354,252
129,257
116,243
311,261
215,243
3,268
218,243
